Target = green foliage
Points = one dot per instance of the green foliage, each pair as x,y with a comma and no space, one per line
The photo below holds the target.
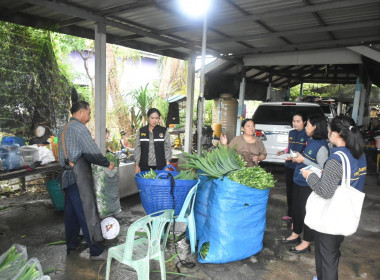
143,100
33,87
254,177
208,112
163,107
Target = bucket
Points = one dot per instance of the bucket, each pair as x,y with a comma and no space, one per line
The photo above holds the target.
56,194
217,127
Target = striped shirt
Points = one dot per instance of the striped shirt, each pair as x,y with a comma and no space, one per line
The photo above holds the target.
332,174
152,154
78,142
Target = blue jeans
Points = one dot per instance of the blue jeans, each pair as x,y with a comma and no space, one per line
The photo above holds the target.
75,220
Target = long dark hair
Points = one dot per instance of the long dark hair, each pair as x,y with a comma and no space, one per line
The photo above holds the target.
320,123
350,133
153,110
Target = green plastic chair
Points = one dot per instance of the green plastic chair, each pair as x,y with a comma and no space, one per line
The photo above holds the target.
187,216
138,252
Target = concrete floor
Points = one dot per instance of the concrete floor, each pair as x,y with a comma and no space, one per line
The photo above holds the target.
32,221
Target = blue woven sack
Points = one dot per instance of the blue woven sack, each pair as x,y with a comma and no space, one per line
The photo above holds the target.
200,206
235,223
163,192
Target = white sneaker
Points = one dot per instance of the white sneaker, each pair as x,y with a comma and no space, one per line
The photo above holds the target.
315,278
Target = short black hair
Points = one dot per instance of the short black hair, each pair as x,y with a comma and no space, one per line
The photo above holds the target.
245,121
320,123
153,110
79,105
302,115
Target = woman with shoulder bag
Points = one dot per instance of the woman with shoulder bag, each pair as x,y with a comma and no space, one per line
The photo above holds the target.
346,138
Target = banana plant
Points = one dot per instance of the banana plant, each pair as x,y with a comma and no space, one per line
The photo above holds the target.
143,101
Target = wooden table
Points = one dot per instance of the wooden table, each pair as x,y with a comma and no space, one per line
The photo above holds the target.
51,168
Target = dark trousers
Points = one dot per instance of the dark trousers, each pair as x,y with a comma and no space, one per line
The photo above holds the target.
289,172
327,255
301,194
75,220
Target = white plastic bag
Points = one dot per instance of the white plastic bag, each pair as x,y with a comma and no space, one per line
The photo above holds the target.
34,265
46,155
8,269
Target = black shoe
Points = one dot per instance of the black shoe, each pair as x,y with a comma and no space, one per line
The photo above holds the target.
295,251
77,249
71,250
291,241
102,257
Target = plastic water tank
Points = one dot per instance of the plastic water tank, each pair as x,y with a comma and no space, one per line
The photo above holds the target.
225,113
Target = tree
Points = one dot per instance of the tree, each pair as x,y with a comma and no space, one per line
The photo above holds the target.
33,89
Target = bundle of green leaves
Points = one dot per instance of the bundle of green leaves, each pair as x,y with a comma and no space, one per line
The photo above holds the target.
254,177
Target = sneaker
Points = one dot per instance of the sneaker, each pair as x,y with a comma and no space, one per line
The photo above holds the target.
315,278
286,218
102,257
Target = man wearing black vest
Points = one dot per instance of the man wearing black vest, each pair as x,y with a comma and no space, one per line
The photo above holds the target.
153,147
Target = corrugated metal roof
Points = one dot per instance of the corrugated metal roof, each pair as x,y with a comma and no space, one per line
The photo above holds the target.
236,29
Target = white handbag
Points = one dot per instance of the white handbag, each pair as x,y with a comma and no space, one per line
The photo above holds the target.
339,215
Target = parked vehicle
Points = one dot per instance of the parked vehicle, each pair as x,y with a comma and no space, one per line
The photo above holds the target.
328,110
273,121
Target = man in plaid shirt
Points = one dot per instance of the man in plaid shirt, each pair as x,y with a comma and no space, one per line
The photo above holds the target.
77,150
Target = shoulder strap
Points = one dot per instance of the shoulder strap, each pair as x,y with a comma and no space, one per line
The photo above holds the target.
346,168
64,145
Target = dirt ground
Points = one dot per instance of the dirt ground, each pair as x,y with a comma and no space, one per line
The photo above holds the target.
28,218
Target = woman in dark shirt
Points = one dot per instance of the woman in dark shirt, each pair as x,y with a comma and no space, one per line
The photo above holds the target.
153,147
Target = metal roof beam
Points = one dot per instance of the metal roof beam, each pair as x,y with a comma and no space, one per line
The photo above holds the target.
308,30
367,52
127,7
275,14
86,14
310,45
313,57
73,30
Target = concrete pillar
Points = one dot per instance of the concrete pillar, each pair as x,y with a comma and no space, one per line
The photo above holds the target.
189,104
363,94
269,90
355,108
287,97
100,86
240,106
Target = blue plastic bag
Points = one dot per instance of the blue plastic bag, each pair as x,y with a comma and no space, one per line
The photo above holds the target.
235,224
200,206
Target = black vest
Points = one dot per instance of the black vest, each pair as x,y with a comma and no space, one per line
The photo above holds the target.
159,147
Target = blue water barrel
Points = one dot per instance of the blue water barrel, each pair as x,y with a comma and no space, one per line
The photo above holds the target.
7,140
